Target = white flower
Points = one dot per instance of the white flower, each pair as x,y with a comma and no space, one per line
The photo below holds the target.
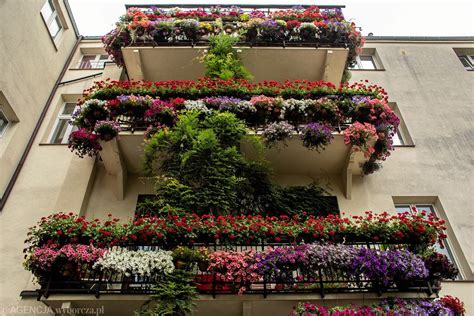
136,262
197,105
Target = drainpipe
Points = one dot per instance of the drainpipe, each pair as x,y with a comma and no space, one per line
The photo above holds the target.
12,181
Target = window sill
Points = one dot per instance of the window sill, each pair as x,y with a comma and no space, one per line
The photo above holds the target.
51,144
367,69
408,146
87,68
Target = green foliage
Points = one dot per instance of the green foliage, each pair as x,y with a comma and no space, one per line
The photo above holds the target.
174,295
202,170
222,60
199,160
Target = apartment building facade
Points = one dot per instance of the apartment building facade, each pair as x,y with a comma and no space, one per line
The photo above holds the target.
428,81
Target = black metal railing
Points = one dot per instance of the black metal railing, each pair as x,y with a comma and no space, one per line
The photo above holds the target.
87,280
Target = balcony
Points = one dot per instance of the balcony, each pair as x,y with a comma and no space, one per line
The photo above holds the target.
309,43
345,115
123,155
90,288
306,63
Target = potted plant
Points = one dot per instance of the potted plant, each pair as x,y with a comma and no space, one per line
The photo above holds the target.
316,136
107,130
173,296
184,258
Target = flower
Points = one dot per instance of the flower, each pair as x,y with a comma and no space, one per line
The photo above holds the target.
136,262
359,135
276,132
316,136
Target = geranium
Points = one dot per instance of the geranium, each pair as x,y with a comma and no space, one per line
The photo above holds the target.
136,262
316,136
415,229
454,303
84,142
234,267
276,132
360,135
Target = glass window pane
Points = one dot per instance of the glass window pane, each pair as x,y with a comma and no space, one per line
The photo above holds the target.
397,140
402,208
87,61
367,62
47,10
3,122
465,62
60,132
69,108
427,208
55,27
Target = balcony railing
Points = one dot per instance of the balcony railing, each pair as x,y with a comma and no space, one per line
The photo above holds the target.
330,280
315,43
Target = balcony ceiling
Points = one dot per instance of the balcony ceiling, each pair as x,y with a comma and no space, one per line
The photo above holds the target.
265,63
125,155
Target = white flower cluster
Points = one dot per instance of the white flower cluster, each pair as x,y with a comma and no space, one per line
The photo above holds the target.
197,105
136,262
295,106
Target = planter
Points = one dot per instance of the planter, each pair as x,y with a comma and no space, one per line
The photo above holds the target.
203,265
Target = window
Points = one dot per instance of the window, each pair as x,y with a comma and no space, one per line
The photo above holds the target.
397,139
93,61
3,123
51,18
365,62
429,209
467,61
62,128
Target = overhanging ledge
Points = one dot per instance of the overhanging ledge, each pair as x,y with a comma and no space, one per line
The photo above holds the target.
265,63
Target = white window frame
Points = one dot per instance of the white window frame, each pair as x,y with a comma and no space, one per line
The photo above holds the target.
69,129
413,208
2,132
53,17
95,62
469,59
358,65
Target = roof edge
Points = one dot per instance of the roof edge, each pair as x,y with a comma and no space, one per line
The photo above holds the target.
422,38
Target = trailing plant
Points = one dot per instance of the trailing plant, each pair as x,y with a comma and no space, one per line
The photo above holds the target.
222,60
173,296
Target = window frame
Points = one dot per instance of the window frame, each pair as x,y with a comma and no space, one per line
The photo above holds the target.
69,129
54,16
95,61
4,130
413,208
469,59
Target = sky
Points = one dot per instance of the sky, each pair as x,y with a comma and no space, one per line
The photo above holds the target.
380,17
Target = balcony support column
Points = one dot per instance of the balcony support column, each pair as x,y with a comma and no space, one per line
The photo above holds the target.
246,308
136,69
114,166
347,175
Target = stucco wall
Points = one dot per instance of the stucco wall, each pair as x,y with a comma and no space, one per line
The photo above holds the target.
30,63
428,83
